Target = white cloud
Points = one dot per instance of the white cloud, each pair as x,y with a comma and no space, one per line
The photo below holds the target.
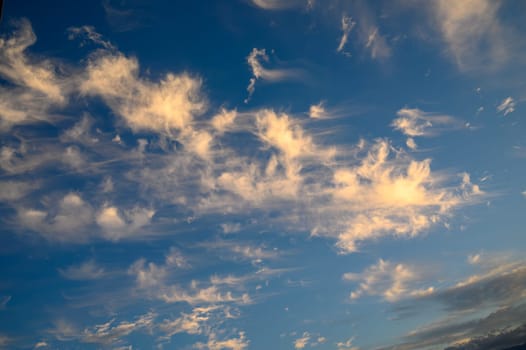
88,270
351,193
176,259
237,343
347,345
37,87
377,44
474,259
70,218
206,295
154,280
507,106
391,281
19,69
231,227
167,106
387,195
195,322
255,60
415,122
347,24
224,120
317,111
301,342
237,250
66,222
88,33
105,334
111,333
411,144
282,133
368,32
473,33
278,4
148,276
117,224
12,190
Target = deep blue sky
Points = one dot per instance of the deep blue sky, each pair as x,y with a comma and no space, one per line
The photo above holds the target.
262,174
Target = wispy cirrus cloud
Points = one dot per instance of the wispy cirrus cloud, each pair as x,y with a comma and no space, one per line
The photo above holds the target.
346,27
255,60
38,87
279,4
369,33
88,34
475,36
415,122
186,156
105,334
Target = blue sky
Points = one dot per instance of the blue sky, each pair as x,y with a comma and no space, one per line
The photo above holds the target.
262,174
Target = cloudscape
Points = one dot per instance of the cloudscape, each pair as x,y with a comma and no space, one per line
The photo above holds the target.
262,174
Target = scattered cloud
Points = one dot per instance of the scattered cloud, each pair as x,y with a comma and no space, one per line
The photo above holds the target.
507,106
88,34
255,60
154,280
195,322
71,218
347,345
473,33
411,144
369,33
37,87
317,111
165,107
231,227
4,299
224,120
12,190
415,122
390,281
88,270
105,334
65,221
346,27
279,4
237,343
474,259
186,157
117,224
301,342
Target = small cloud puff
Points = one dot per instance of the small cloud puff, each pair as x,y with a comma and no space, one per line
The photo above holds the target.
507,106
